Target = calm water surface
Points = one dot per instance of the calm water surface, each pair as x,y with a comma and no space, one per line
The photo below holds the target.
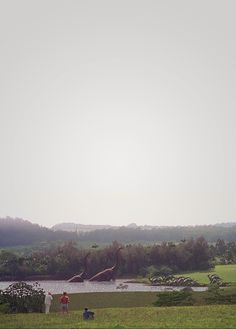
57,287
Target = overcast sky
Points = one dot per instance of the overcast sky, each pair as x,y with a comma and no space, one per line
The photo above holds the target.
114,112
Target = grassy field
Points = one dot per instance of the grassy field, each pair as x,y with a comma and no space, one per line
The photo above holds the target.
226,272
127,310
214,316
107,300
123,299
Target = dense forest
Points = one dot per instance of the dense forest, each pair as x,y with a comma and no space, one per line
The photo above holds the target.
19,232
66,260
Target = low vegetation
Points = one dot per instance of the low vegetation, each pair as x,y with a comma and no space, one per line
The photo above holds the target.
175,298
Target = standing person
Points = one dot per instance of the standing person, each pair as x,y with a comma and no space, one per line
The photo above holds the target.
48,301
64,302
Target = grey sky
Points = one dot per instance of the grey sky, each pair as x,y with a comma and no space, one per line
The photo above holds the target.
118,111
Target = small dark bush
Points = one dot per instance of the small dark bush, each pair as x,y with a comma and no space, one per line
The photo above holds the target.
5,308
175,298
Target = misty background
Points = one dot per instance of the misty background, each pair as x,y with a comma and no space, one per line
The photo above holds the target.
114,112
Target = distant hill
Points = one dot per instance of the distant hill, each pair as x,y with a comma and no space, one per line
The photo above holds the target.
73,227
230,224
16,231
132,233
144,234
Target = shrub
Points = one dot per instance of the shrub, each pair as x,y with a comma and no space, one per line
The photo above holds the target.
22,298
5,308
216,297
175,298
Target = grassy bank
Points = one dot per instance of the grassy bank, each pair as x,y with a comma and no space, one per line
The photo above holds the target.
107,300
215,316
125,299
226,272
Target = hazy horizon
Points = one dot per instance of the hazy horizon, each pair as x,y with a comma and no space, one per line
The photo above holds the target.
76,222
114,112
128,223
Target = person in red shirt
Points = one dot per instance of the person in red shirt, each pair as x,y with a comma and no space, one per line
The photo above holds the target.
64,302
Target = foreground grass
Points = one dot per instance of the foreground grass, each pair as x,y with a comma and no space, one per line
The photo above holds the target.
226,272
127,310
214,316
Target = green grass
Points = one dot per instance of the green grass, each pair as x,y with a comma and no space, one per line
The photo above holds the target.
214,316
125,299
226,272
107,300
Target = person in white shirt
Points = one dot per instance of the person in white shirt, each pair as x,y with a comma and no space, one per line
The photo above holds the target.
48,302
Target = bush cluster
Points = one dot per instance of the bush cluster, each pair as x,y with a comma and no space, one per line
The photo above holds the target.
175,298
21,297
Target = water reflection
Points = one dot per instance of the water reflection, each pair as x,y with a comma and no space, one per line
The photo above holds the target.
57,287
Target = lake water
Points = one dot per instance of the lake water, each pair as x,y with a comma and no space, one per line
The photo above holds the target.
57,287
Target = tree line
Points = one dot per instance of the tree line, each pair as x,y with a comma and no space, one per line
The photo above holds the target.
66,260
